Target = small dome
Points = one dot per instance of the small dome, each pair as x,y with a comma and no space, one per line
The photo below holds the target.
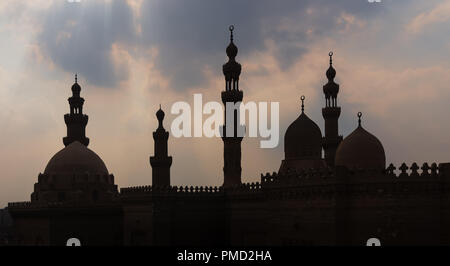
76,159
331,89
232,50
331,73
362,150
303,139
160,114
76,88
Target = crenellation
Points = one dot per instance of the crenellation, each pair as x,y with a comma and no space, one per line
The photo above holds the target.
425,170
414,171
169,190
269,178
20,204
434,169
414,167
390,170
403,168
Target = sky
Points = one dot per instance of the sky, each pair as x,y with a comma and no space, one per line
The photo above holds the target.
392,61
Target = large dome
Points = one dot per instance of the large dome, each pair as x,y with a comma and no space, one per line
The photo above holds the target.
75,174
76,159
361,150
303,139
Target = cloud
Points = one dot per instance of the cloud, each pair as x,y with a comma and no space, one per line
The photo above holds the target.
438,14
192,35
79,38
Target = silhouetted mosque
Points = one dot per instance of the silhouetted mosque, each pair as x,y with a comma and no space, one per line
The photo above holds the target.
344,198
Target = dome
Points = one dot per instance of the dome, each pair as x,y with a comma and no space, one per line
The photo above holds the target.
232,50
160,114
76,159
331,73
76,88
231,69
303,139
362,150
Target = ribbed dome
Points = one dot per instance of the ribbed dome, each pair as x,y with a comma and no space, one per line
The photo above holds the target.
76,159
362,150
303,139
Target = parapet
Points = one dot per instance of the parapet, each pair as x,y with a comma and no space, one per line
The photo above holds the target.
426,170
170,190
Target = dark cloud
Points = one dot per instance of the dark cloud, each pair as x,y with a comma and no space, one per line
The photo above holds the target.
193,34
78,37
190,35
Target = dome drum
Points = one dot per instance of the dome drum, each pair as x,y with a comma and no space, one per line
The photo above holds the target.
75,173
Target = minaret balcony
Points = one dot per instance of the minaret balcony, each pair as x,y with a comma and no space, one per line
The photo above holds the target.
232,96
331,112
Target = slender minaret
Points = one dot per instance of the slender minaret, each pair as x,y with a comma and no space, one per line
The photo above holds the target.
231,144
160,162
331,114
76,121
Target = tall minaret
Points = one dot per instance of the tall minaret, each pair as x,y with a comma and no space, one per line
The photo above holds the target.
331,114
160,162
76,121
232,144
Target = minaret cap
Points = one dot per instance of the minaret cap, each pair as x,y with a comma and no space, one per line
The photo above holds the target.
76,87
331,72
160,115
232,50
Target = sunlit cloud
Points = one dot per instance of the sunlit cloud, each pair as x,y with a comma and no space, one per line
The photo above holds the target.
440,13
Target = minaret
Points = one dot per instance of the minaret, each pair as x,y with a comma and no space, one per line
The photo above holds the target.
76,121
160,162
331,114
232,144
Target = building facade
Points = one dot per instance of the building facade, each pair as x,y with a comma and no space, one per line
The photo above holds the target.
345,197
